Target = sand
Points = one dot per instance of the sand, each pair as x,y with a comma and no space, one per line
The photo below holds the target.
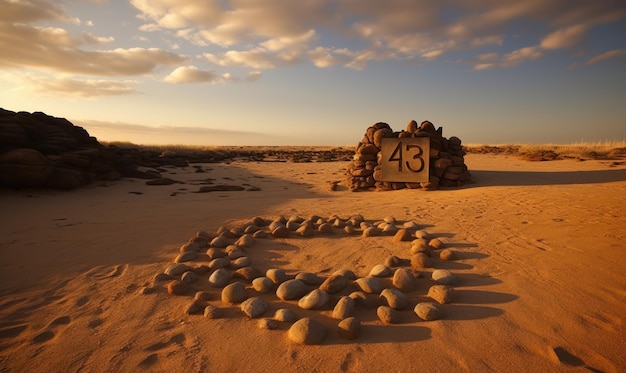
540,249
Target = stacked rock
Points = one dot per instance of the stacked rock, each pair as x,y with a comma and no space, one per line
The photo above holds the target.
447,163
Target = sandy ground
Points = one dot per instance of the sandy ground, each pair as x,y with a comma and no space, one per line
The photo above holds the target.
540,251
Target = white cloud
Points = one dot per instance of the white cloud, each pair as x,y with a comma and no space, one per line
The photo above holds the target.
73,87
565,37
191,74
615,53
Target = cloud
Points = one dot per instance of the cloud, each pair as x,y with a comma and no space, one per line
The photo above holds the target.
191,74
615,53
566,37
492,60
253,76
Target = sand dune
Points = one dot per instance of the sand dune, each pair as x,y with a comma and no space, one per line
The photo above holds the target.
540,259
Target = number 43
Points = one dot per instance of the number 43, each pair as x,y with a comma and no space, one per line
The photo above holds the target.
415,154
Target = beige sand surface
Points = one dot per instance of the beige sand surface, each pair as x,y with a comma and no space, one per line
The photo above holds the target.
541,261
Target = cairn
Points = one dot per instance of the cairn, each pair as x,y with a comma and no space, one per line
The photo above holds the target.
447,163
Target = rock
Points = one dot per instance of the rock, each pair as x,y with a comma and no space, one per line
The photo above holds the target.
307,331
195,307
177,269
371,232
334,284
220,278
187,256
221,242
189,277
435,243
325,228
411,225
262,285
447,254
380,270
421,260
234,293
219,263
370,285
348,274
420,246
441,293
388,315
248,273
214,253
268,324
309,278
394,298
444,277
281,232
259,234
162,277
427,311
245,241
24,167
421,234
203,295
177,287
305,230
363,299
286,315
344,308
394,261
241,262
404,279
349,328
277,275
212,312
402,234
291,289
254,307
315,299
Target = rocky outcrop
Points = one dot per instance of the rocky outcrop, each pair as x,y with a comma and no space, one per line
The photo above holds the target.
447,164
38,150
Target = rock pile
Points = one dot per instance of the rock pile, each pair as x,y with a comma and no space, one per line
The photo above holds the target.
40,150
447,164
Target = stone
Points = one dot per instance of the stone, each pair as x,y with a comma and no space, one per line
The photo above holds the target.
420,246
334,284
307,331
344,308
305,231
203,295
380,270
441,293
371,232
285,315
388,315
219,263
24,167
281,232
363,299
277,275
254,307
221,242
427,311
421,260
268,324
247,273
315,299
422,234
241,262
347,273
291,289
370,285
220,277
195,307
177,269
214,253
262,285
187,256
394,261
447,254
189,277
162,277
404,280
394,298
245,241
212,312
325,228
259,234
402,234
349,328
436,243
444,277
309,278
177,287
234,293
411,225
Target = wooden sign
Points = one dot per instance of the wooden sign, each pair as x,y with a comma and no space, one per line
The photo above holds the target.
405,159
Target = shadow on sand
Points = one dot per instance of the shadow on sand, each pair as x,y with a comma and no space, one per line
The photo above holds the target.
516,178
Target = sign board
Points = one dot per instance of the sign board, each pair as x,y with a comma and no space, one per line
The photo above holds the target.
405,159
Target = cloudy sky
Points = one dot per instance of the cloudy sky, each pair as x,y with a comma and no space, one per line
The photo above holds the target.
318,72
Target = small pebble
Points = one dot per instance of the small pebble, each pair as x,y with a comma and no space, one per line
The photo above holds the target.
364,300
254,307
325,228
177,269
177,287
371,285
349,328
441,293
220,278
427,311
219,263
245,240
268,324
402,235
309,278
187,256
244,261
291,290
234,293
447,254
380,270
394,298
212,312
334,284
315,299
195,307
421,260
444,277
307,331
403,279
162,277
344,308
189,277
276,275
420,246
203,295
285,315
262,285
248,273
215,252
421,234
435,243
388,315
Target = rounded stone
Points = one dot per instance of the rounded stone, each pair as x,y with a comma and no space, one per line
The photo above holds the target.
241,262
254,307
245,240
220,277
447,254
394,298
262,285
420,246
285,315
291,289
281,232
427,311
388,315
219,263
394,261
421,234
214,253
177,269
421,260
347,273
307,331
334,284
187,256
364,300
370,285
177,287
195,307
212,312
349,328
380,270
315,299
444,277
412,225
189,277
268,324
371,232
220,242
162,277
309,278
403,279
344,308
402,234
276,275
234,293
259,234
442,294
435,243
305,230
203,295
325,228
248,273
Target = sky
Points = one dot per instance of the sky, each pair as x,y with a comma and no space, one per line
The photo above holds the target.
319,72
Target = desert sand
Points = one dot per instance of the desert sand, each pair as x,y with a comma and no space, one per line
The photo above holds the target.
540,257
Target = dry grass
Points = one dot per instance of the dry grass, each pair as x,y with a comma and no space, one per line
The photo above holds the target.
608,150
